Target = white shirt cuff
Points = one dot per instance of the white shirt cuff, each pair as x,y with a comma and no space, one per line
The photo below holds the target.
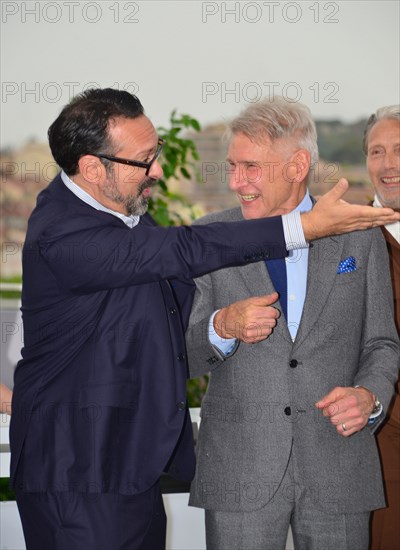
225,345
293,231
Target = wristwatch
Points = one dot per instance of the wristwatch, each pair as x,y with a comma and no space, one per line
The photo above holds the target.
376,412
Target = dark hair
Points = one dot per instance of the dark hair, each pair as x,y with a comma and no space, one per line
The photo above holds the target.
82,126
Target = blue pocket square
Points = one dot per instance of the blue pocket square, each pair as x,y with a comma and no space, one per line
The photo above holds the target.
347,265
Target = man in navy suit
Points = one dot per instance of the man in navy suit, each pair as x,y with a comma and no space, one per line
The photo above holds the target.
99,406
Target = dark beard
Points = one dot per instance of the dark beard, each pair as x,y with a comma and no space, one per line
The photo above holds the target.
135,205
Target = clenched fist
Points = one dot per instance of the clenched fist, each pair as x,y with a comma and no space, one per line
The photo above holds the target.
250,320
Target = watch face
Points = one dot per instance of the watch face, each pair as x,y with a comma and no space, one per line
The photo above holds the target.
377,406
377,409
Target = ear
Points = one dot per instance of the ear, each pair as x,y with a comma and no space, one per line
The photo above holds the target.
302,162
91,170
299,166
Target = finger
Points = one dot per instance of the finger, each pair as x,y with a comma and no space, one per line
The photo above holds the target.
265,313
259,318
261,323
383,214
256,339
252,331
331,410
333,396
365,217
349,415
337,190
251,335
345,429
266,300
326,400
348,428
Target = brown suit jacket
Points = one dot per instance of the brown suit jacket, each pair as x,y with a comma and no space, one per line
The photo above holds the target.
385,527
389,435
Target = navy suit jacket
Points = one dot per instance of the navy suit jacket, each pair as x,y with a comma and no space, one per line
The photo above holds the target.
99,399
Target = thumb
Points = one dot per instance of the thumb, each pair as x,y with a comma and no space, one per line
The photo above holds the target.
268,299
329,398
337,192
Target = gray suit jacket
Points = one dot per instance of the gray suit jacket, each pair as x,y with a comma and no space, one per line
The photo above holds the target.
346,337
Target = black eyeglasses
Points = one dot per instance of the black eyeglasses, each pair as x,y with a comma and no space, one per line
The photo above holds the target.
137,163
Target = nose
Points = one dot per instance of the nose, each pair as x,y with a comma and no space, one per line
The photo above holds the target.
156,172
391,160
235,178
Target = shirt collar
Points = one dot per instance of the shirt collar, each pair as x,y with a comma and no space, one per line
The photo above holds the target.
130,221
305,205
393,228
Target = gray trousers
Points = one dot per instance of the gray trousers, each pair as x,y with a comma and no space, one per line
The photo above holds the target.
267,528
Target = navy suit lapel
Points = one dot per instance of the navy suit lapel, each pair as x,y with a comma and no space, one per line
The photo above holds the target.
277,273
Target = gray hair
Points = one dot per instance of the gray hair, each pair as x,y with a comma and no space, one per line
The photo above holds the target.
391,112
278,118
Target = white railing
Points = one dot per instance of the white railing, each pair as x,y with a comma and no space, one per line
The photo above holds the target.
10,287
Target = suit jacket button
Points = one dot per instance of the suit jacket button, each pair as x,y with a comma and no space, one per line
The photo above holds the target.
180,357
293,363
181,406
172,311
287,411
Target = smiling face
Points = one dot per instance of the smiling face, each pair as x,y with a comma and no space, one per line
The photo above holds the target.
383,161
267,177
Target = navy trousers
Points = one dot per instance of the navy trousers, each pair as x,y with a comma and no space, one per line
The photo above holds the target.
82,521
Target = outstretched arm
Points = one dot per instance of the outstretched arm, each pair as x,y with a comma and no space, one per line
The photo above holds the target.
333,216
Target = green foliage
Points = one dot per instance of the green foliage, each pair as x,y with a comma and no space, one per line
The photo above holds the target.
196,390
5,492
167,208
340,142
11,294
177,161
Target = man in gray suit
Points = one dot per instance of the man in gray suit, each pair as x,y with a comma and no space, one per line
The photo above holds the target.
288,389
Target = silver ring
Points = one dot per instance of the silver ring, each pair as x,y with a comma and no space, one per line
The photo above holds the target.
344,426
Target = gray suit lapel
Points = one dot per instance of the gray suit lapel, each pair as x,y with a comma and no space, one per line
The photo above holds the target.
255,277
323,261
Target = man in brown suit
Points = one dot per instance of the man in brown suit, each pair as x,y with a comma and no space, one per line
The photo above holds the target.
382,147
